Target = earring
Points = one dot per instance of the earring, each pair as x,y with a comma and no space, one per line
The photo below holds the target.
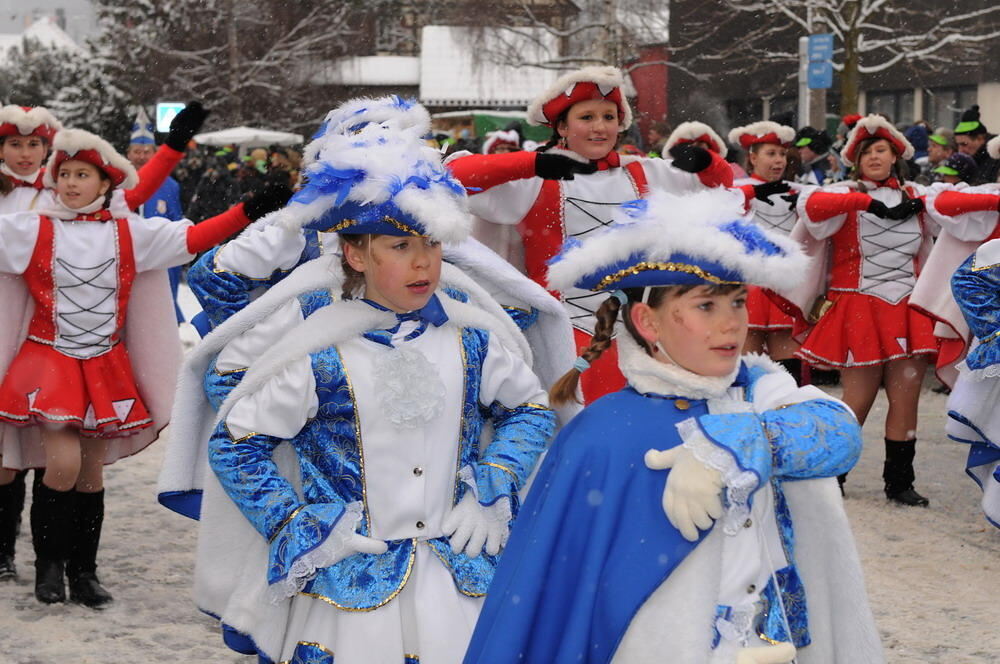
562,142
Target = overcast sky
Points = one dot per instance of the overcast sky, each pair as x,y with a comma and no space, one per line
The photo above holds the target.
15,15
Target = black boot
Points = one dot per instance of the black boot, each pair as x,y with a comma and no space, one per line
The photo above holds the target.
898,473
81,569
51,529
11,505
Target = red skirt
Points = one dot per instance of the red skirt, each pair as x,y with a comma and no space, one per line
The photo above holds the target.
98,395
763,314
603,376
862,330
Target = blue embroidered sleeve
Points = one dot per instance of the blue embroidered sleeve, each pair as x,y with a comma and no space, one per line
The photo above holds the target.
523,318
977,292
520,436
250,477
221,294
816,438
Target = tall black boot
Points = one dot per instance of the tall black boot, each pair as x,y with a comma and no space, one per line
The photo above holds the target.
51,529
898,473
11,505
81,569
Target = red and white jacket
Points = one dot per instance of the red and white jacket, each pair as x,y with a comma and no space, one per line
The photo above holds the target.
504,190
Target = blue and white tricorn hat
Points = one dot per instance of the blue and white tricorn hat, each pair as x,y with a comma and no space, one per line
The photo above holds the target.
371,172
142,129
672,240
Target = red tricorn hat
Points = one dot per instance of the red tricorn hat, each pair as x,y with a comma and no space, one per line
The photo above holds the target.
28,121
693,132
84,146
581,85
762,132
875,126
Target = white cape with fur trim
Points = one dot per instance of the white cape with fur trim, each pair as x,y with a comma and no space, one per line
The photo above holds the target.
154,349
841,623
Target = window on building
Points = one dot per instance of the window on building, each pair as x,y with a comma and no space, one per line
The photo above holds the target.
944,106
897,105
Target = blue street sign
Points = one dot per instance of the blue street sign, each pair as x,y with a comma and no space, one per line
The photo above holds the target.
820,75
165,112
821,47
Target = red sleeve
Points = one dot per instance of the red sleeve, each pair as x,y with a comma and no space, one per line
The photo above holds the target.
824,204
718,174
153,175
214,230
954,203
479,172
748,194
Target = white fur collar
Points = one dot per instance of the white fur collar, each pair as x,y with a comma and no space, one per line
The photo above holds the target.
60,210
649,376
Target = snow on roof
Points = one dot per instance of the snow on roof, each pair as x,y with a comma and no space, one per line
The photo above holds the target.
451,75
45,31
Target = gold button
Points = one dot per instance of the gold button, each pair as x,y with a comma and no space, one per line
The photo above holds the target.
682,404
420,525
417,472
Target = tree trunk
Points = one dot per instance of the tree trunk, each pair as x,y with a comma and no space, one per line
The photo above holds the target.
850,78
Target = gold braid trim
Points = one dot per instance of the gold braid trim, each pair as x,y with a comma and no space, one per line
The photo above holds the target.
347,223
670,267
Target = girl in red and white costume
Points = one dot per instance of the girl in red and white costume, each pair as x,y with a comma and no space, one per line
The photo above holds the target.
71,386
766,146
968,218
26,135
878,237
571,186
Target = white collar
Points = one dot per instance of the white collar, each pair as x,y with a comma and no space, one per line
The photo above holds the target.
23,178
649,376
60,210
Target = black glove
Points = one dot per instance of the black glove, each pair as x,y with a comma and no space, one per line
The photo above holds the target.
906,209
185,125
560,167
271,197
690,158
762,192
878,208
792,199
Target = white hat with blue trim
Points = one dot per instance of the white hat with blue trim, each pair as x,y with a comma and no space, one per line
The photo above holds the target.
672,240
377,176
142,129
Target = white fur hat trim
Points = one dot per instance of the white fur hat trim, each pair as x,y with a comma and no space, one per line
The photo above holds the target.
72,141
784,133
690,131
869,126
605,78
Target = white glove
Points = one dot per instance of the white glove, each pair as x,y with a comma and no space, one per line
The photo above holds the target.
470,526
692,495
780,389
779,653
358,543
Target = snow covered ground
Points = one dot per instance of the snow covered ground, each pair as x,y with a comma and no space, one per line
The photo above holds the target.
932,573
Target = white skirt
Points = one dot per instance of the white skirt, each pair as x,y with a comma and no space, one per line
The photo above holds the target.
429,619
974,399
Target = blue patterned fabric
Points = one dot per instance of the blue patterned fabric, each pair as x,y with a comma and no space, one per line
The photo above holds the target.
330,464
976,289
793,601
523,318
817,438
222,294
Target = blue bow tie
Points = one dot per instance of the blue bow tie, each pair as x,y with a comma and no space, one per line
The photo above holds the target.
431,313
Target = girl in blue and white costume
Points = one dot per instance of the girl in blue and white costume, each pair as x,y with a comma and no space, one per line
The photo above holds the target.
369,460
593,572
973,416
